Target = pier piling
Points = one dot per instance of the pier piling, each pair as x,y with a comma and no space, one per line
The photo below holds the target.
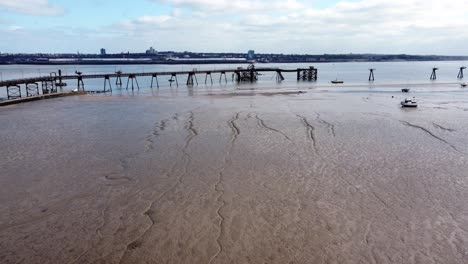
223,73
433,75
133,77
107,80
80,80
60,78
173,79
371,75
32,89
307,74
279,76
59,83
14,91
118,79
247,75
190,78
80,83
460,73
48,86
206,77
153,76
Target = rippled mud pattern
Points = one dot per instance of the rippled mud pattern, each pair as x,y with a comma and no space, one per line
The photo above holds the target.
284,178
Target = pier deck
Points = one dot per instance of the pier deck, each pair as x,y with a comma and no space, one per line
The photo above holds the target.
6,83
50,83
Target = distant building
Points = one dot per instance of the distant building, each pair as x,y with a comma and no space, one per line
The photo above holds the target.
251,55
103,51
151,51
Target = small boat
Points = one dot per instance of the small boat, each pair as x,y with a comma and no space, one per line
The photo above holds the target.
336,81
409,103
463,84
405,90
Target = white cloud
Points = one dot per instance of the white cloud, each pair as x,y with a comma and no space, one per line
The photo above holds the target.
32,7
381,26
294,26
236,5
13,28
152,20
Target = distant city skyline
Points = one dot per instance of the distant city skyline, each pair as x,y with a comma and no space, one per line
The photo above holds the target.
289,26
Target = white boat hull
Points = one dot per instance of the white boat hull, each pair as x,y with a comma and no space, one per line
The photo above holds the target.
409,104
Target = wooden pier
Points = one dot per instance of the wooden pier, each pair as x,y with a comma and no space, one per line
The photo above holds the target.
50,83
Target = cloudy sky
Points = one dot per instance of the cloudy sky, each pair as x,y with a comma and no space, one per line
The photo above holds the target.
274,26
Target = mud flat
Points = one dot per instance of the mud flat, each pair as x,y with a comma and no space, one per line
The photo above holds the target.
275,178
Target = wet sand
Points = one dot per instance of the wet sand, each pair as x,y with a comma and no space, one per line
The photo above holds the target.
292,177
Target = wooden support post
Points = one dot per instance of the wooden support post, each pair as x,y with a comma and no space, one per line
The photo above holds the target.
80,80
48,86
279,76
14,91
313,73
190,78
460,73
309,74
194,75
136,81
32,89
206,77
118,79
54,75
154,75
45,88
371,75
252,73
60,77
132,77
221,75
173,78
80,83
433,75
60,83
107,80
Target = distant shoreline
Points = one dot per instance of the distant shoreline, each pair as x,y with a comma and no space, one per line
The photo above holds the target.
188,62
177,58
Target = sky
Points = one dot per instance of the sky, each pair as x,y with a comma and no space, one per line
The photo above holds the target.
266,26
